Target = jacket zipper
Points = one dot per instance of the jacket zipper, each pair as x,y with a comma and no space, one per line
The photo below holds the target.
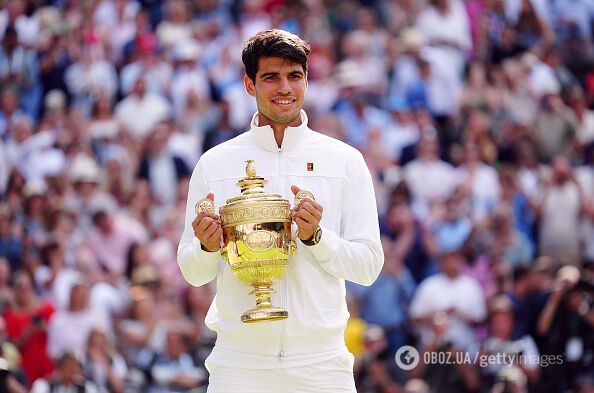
282,284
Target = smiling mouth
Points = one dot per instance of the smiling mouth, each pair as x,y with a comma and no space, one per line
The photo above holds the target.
284,101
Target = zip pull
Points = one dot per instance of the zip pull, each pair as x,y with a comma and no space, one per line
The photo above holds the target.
281,355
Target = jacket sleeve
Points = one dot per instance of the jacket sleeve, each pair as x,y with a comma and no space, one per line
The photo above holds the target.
356,253
197,266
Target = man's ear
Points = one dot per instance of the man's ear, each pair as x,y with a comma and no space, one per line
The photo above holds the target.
249,85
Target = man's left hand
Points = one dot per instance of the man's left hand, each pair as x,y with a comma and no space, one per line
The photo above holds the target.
307,215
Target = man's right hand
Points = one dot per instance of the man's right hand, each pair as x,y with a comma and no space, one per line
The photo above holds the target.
207,228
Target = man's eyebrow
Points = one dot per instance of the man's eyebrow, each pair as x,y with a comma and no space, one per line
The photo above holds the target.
266,74
272,73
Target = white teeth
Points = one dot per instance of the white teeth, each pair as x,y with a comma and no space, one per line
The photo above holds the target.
283,102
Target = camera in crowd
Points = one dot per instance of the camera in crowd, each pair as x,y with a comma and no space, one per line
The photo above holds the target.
510,380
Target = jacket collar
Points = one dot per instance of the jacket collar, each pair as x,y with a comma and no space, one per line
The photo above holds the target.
293,135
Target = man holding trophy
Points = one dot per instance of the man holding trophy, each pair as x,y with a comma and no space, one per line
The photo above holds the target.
290,261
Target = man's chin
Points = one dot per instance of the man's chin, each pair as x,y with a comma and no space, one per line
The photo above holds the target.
288,119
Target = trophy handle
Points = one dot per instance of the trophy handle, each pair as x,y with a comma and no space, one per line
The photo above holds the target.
206,204
299,197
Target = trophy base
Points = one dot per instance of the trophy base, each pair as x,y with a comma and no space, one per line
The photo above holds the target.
268,314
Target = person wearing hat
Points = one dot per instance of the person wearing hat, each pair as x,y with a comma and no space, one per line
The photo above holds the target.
338,235
86,195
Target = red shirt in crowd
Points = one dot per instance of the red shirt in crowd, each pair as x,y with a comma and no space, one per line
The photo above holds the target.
35,360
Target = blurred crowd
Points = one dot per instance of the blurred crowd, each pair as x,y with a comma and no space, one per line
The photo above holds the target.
475,118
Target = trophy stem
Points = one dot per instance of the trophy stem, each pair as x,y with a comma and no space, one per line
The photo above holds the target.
264,312
262,292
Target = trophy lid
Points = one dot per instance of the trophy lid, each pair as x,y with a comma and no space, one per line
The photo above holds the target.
252,186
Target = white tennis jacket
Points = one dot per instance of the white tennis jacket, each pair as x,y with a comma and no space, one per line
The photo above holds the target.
313,289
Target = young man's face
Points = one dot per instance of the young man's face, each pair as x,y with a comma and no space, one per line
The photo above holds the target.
279,89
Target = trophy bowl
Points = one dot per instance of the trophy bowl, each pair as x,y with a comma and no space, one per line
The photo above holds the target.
257,241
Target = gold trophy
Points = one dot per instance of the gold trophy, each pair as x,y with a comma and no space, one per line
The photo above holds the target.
257,241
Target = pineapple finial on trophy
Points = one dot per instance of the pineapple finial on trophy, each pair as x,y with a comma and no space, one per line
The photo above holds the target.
251,183
250,168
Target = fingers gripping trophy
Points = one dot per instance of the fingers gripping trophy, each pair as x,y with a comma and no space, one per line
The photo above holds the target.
257,242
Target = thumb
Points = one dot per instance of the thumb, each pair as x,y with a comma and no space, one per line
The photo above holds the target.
210,196
295,189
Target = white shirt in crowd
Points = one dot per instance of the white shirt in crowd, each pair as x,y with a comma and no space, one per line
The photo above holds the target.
184,80
429,180
440,293
559,227
447,62
139,115
484,187
585,128
69,331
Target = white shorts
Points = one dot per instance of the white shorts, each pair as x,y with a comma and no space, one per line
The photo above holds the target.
332,376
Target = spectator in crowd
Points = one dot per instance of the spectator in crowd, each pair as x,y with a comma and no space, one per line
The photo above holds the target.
11,245
454,295
86,195
505,239
142,109
532,26
6,291
54,279
8,382
160,167
18,66
524,298
445,29
27,326
584,120
148,65
112,235
79,320
430,179
444,377
449,226
176,28
55,56
141,328
373,373
103,365
559,210
412,244
565,326
555,127
171,369
68,376
502,341
187,77
513,195
90,77
480,182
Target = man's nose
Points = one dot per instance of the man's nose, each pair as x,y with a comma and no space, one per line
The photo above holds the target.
284,87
